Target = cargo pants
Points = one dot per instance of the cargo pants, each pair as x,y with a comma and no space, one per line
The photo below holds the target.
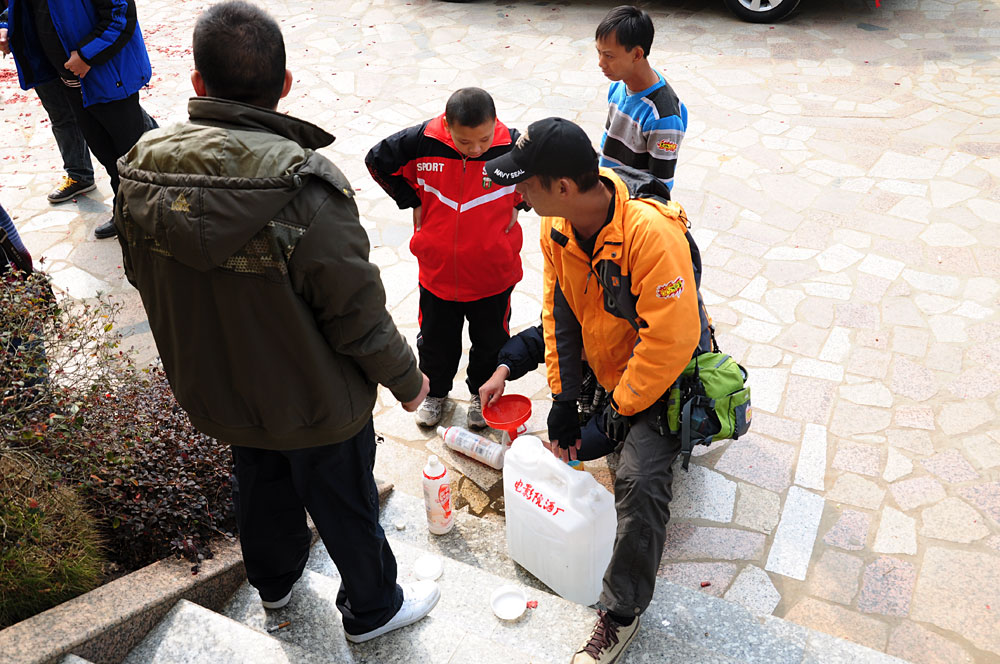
642,501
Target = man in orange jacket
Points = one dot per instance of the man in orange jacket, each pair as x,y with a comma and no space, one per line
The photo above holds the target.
621,286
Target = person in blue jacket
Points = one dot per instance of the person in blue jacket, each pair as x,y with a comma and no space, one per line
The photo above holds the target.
95,48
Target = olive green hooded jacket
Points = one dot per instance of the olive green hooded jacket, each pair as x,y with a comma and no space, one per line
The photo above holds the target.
247,250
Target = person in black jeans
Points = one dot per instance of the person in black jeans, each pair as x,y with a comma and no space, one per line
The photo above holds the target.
101,76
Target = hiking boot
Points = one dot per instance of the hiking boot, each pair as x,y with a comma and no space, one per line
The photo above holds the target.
419,598
69,188
278,603
607,642
106,230
474,418
429,413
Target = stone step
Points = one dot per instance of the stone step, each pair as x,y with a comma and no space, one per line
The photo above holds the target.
192,634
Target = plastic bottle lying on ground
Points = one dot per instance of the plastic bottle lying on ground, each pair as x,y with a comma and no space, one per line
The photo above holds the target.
472,445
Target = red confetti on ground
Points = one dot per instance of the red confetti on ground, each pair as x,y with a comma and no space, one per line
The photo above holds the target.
706,584
532,604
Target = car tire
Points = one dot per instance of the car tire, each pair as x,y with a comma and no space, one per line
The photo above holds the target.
766,11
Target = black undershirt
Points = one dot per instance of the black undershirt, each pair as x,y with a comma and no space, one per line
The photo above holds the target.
49,38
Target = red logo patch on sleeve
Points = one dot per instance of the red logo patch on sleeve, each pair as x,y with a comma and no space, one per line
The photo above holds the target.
670,289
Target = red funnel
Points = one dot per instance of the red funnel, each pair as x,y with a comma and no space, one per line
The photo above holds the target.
508,413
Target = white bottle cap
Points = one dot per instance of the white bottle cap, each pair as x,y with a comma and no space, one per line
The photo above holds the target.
442,431
433,469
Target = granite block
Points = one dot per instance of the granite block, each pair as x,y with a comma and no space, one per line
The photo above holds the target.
914,417
897,466
757,509
915,492
896,533
813,400
850,531
686,541
191,634
753,590
810,470
957,590
793,541
919,645
986,497
982,449
714,625
840,622
887,587
964,416
950,466
912,380
912,440
954,521
693,575
759,461
834,577
703,494
858,458
856,490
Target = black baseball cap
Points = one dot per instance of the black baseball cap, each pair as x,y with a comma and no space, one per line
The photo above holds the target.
554,147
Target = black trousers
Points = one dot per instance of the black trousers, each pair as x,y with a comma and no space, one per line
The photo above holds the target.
439,344
272,491
111,128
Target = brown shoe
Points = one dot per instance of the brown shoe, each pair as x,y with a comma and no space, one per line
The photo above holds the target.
607,642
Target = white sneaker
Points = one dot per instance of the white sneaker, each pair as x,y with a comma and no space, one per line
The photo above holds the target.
419,598
278,603
429,413
474,417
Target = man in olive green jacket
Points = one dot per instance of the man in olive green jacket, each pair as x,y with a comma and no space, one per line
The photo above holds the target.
246,247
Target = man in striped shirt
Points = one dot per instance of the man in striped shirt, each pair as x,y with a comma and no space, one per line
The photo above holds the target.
646,120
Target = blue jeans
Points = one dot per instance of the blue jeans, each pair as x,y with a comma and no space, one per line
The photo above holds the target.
69,138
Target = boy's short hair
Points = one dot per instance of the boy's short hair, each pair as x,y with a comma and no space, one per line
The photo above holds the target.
631,26
240,53
470,107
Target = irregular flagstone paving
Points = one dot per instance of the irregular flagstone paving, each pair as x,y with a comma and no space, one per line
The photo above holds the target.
842,175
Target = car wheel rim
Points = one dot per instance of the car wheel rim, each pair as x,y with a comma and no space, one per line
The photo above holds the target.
760,5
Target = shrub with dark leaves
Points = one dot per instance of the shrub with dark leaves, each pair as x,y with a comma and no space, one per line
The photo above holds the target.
114,434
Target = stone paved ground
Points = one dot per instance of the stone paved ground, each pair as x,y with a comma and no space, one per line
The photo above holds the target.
842,174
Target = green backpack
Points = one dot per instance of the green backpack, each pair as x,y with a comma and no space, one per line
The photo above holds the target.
708,402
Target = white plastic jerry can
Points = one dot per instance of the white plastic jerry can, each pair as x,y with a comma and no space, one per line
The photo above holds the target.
560,522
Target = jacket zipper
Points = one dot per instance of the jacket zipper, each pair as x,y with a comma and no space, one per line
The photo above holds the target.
458,219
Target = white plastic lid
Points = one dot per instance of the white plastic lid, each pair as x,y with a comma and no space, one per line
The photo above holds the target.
427,567
508,602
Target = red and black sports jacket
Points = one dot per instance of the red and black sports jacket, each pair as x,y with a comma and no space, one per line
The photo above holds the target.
461,248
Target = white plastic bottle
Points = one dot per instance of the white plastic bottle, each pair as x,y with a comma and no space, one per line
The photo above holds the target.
473,445
437,497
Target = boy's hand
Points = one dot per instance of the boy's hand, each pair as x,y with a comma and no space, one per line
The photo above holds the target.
513,220
413,404
416,218
4,44
76,64
492,389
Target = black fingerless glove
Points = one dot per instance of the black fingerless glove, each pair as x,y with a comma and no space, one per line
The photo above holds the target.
616,425
564,424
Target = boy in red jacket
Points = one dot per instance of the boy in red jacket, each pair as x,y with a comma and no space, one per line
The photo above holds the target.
465,238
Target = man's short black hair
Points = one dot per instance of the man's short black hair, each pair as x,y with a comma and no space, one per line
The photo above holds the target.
470,107
584,181
631,27
240,54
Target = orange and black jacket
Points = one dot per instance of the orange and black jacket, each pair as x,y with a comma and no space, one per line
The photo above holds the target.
644,273
462,249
